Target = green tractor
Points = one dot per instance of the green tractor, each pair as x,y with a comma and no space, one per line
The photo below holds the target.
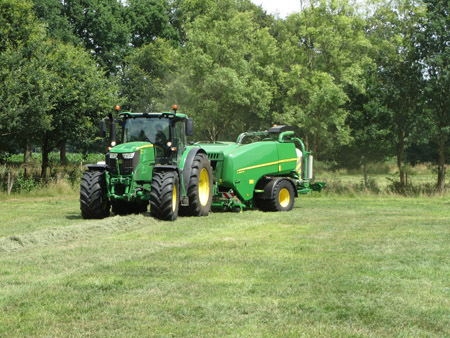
155,165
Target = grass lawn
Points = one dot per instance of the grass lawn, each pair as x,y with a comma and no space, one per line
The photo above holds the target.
369,266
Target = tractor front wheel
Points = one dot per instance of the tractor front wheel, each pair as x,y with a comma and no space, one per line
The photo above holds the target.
93,199
200,188
165,195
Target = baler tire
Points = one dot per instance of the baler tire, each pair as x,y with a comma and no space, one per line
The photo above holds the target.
282,199
94,202
165,195
200,188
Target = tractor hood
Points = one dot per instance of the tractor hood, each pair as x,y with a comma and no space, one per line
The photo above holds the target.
130,147
130,158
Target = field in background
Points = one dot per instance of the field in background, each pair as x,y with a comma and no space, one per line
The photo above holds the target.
337,265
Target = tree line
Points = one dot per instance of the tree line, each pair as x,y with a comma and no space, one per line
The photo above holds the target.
359,82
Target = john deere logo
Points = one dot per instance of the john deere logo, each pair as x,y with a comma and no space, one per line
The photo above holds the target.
120,161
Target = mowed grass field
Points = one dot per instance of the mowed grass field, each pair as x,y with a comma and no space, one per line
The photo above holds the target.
335,266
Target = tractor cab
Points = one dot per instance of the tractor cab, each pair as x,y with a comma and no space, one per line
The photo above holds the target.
165,132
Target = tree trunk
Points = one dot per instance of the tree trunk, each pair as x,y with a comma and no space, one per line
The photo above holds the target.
400,154
366,177
45,151
62,153
27,153
306,141
441,166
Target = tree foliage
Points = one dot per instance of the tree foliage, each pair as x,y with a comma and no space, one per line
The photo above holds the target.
435,55
225,72
324,55
51,92
358,85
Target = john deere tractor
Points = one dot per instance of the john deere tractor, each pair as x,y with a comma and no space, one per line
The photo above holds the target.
155,165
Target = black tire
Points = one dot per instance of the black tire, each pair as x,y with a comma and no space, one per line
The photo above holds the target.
282,199
93,195
200,188
165,195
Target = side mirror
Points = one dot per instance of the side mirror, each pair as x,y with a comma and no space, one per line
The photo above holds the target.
189,127
102,131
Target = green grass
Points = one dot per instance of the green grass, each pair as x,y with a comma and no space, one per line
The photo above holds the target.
367,266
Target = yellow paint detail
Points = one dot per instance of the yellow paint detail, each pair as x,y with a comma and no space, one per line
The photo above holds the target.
146,146
279,167
251,181
174,199
203,187
240,171
284,198
298,168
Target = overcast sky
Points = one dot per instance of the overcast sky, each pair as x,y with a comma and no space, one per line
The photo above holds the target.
282,7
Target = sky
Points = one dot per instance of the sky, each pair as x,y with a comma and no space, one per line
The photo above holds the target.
282,7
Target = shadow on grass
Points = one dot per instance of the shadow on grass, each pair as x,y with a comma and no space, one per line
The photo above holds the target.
74,217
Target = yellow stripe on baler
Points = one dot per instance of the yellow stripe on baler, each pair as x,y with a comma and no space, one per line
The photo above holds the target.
240,171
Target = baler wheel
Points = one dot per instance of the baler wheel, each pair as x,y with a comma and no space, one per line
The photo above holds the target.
200,188
165,195
93,199
282,199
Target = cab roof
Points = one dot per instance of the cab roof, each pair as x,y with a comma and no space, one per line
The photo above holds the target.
128,115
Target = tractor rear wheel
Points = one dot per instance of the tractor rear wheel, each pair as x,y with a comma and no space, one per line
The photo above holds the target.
165,195
282,199
200,188
93,199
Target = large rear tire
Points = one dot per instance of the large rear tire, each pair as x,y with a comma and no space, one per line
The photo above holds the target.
165,195
93,195
200,188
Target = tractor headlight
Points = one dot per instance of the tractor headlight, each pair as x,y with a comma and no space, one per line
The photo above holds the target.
127,156
113,156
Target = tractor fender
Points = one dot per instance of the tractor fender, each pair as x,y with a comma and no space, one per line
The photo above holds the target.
187,168
270,187
97,167
163,167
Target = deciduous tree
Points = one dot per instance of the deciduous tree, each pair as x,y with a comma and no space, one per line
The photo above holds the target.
435,55
324,56
226,71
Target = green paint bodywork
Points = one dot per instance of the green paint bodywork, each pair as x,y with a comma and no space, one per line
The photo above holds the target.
141,177
239,169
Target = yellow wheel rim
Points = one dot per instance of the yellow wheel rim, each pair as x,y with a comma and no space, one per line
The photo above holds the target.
203,187
284,197
174,198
